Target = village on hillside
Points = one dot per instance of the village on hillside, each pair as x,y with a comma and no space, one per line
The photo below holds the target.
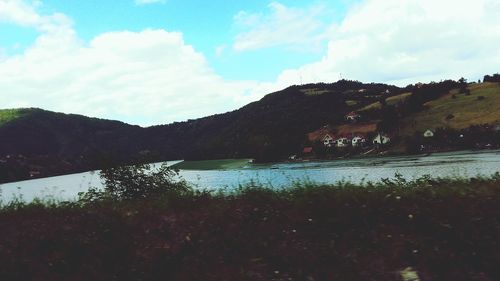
360,134
355,136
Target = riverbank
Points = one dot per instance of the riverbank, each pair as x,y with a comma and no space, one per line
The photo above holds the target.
436,229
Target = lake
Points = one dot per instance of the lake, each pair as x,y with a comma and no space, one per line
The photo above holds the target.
278,175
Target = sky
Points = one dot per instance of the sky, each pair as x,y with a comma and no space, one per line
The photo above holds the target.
149,62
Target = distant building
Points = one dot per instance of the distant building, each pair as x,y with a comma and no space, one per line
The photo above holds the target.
381,139
358,141
352,116
328,140
342,142
429,133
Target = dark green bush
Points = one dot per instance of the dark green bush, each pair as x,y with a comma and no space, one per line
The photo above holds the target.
137,181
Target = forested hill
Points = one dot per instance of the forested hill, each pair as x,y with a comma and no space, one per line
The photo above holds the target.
268,129
35,142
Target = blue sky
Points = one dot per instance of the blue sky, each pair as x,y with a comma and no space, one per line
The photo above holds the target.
206,25
162,61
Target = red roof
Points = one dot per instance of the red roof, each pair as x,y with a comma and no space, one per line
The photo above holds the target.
308,149
319,134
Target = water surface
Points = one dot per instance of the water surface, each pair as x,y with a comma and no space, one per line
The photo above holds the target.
449,164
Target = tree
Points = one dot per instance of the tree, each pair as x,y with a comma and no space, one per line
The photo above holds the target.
137,181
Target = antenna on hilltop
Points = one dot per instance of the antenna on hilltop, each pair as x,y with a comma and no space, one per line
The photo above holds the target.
340,76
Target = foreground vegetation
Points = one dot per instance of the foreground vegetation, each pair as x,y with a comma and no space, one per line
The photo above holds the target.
146,227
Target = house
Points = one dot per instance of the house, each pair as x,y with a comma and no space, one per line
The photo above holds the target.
381,139
429,133
358,141
342,142
328,140
352,116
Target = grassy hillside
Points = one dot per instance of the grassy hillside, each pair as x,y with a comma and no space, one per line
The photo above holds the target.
456,110
389,101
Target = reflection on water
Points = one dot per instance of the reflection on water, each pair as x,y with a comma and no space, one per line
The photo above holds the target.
450,164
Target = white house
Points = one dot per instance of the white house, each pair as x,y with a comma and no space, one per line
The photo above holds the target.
358,141
342,142
428,134
328,140
381,139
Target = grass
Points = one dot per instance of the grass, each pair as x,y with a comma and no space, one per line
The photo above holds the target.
314,92
372,106
390,101
467,110
351,102
8,115
439,229
222,164
398,98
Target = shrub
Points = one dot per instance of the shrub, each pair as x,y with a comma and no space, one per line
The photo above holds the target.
137,182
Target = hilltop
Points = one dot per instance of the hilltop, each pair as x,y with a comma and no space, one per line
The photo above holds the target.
36,142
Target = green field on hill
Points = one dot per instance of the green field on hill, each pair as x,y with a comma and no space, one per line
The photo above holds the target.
457,111
390,101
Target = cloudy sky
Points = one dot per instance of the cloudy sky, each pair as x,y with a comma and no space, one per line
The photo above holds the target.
152,62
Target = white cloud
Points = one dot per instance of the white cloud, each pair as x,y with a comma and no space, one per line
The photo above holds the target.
295,28
18,12
145,2
147,77
219,50
404,41
153,76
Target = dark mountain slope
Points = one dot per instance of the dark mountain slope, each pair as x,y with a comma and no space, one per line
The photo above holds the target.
51,143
